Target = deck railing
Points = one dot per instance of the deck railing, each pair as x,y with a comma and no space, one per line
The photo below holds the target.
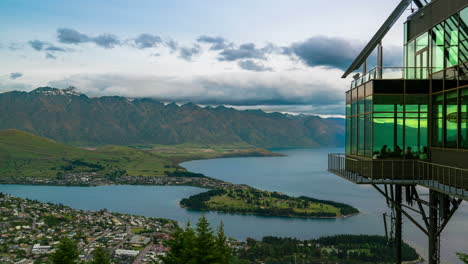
431,175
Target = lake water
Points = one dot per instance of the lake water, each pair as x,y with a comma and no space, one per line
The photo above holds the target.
302,172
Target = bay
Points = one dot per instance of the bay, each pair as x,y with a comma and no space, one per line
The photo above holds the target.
301,172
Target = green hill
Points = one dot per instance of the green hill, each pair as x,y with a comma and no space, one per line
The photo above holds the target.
76,119
26,155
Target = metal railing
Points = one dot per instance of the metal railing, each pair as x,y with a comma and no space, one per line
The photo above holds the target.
393,73
444,178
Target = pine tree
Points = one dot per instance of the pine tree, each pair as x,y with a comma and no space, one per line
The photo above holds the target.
223,251
205,251
66,252
181,247
463,257
100,256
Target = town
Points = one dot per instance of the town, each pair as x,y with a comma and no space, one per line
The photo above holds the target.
30,230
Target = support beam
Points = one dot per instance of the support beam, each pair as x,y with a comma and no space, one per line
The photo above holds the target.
433,223
377,38
398,224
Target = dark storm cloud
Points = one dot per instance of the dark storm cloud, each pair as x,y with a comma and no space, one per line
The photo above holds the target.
37,44
244,51
15,75
325,51
251,65
217,43
187,53
71,36
147,41
337,52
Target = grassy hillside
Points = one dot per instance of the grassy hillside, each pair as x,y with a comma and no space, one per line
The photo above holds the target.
26,155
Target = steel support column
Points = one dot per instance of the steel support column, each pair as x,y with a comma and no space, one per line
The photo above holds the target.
398,223
433,226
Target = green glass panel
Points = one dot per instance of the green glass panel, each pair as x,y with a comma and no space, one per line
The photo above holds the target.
368,132
354,135
412,145
464,35
354,108
451,41
348,135
384,115
410,49
348,109
437,121
399,131
437,36
464,118
412,115
383,129
368,104
422,42
361,105
361,149
451,120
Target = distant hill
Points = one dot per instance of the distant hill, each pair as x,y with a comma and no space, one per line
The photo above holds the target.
69,117
26,155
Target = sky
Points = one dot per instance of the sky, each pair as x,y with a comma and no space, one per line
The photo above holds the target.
285,56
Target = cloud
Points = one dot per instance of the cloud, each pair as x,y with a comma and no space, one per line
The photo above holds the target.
107,41
147,41
251,65
15,75
71,36
217,43
187,53
337,52
50,56
240,89
55,48
172,45
37,44
244,51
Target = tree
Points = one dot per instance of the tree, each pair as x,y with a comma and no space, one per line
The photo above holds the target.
181,247
463,257
223,251
66,252
100,256
205,251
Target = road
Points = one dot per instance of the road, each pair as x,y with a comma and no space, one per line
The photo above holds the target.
143,253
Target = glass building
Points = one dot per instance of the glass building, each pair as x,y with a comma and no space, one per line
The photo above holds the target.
407,126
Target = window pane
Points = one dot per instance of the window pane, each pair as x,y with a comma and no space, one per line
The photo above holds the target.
416,103
422,42
383,137
354,136
410,60
437,48
451,41
361,135
451,119
368,131
464,35
348,135
464,118
437,122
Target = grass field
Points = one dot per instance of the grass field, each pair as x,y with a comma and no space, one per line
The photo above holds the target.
26,155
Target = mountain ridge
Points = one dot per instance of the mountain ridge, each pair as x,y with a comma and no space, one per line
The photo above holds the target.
74,118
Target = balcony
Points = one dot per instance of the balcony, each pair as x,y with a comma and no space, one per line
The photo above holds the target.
392,73
445,179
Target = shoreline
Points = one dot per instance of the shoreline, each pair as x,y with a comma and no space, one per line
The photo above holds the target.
203,182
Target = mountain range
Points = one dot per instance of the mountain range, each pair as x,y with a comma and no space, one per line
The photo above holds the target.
73,118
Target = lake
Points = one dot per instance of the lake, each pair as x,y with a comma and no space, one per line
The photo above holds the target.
302,172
